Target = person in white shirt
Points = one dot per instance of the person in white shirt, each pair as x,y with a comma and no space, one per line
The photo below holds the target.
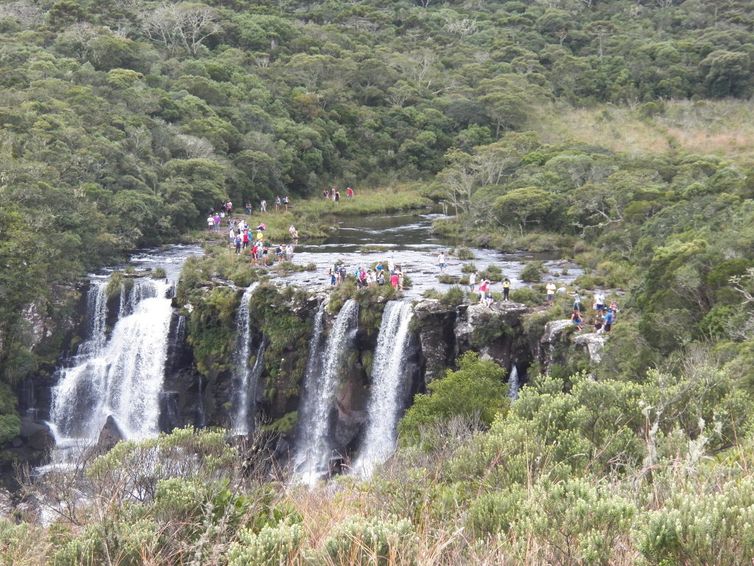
550,291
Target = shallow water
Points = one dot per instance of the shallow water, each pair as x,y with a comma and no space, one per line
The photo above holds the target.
408,240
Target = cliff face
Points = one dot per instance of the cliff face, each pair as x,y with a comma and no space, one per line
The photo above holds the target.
200,388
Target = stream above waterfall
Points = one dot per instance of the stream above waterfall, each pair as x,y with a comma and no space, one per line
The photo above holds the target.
409,241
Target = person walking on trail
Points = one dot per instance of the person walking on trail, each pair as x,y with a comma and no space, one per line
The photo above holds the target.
472,281
349,193
441,261
550,291
238,244
210,222
262,206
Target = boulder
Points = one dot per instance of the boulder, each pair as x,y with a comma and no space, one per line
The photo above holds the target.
109,436
593,344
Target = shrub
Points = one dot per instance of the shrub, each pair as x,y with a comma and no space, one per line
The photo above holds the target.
453,297
464,253
477,387
532,272
715,527
281,544
468,268
359,540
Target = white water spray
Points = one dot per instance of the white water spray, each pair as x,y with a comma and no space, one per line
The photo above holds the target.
388,388
242,370
121,377
313,445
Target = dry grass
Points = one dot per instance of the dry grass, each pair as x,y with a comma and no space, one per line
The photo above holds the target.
720,127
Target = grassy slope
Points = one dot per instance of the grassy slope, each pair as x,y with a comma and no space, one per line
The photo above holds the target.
721,127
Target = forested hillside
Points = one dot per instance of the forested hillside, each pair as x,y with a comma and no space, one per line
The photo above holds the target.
618,132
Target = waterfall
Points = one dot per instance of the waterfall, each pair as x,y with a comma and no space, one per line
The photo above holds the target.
513,384
96,309
388,388
121,377
242,371
320,383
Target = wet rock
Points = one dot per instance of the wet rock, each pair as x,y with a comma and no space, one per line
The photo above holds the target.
36,435
491,331
435,323
553,345
593,343
6,504
109,436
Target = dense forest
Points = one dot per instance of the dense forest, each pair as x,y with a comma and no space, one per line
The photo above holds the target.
617,132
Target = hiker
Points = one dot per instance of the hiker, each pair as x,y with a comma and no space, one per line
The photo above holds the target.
483,288
262,206
472,281
337,196
599,301
577,301
289,252
371,280
550,291
394,280
210,222
238,244
441,261
278,202
333,277
380,277
231,238
245,239
349,193
608,319
285,202
576,319
506,289
292,232
217,219
248,208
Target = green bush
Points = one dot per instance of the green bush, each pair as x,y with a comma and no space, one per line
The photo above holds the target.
463,253
712,526
476,388
272,546
371,541
532,272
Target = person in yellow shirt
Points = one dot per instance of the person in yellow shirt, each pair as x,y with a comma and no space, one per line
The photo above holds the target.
506,288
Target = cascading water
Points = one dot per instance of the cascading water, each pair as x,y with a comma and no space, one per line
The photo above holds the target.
513,384
313,443
242,371
388,388
96,308
121,377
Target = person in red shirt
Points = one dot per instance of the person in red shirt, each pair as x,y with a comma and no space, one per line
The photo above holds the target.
394,280
349,193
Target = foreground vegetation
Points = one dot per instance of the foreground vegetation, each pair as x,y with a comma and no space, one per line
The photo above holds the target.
617,132
578,472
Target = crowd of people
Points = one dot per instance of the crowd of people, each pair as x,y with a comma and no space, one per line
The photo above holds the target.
604,315
379,274
242,238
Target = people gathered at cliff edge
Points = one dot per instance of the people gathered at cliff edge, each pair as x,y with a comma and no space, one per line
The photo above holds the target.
252,240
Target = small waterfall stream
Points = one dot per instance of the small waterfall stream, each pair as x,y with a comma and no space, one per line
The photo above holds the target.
513,383
388,388
312,455
243,372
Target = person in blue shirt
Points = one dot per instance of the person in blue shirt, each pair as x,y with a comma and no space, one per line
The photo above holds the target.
608,319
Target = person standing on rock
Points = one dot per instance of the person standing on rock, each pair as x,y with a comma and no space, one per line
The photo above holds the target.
472,281
441,261
599,301
506,289
550,291
577,301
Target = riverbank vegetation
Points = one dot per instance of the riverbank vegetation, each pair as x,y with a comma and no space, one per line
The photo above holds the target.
616,132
